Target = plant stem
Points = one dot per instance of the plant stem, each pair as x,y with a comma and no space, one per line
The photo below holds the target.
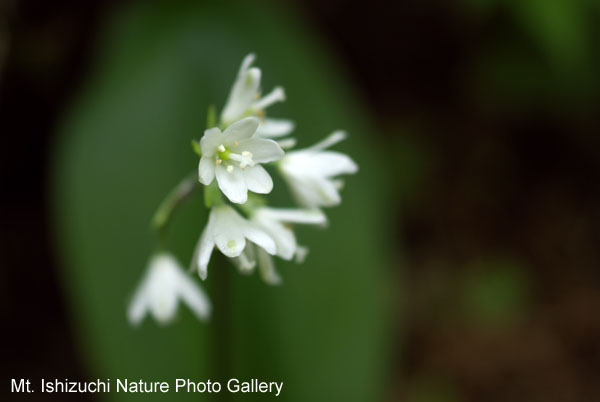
221,325
174,199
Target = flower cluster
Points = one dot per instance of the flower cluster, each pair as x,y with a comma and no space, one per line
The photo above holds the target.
240,224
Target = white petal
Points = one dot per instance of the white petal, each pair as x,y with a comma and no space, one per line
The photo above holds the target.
298,163
212,138
301,253
162,290
231,243
233,184
228,231
284,238
248,60
240,130
204,250
338,184
242,95
287,143
262,150
313,191
267,268
271,128
327,191
258,236
193,296
276,95
303,193
330,163
246,261
330,140
138,305
309,216
206,170
258,180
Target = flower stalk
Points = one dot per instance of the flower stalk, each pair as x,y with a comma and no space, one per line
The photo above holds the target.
174,199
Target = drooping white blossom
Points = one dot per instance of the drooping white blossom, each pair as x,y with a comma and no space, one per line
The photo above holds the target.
230,232
234,157
274,222
274,128
311,172
163,285
245,100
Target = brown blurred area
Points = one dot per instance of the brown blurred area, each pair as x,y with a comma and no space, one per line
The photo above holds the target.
496,142
499,214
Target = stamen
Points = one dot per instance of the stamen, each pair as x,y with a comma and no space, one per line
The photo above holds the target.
245,159
221,148
219,161
230,169
235,143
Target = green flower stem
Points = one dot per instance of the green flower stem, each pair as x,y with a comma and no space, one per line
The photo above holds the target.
220,330
212,195
174,199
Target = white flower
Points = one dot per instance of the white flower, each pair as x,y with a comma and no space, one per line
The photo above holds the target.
310,172
164,283
228,230
233,156
273,221
245,100
274,128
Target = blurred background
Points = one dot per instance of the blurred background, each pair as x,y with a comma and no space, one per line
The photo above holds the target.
474,221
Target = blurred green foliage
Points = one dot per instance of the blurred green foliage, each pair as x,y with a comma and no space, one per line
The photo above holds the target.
539,52
126,143
432,389
494,293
